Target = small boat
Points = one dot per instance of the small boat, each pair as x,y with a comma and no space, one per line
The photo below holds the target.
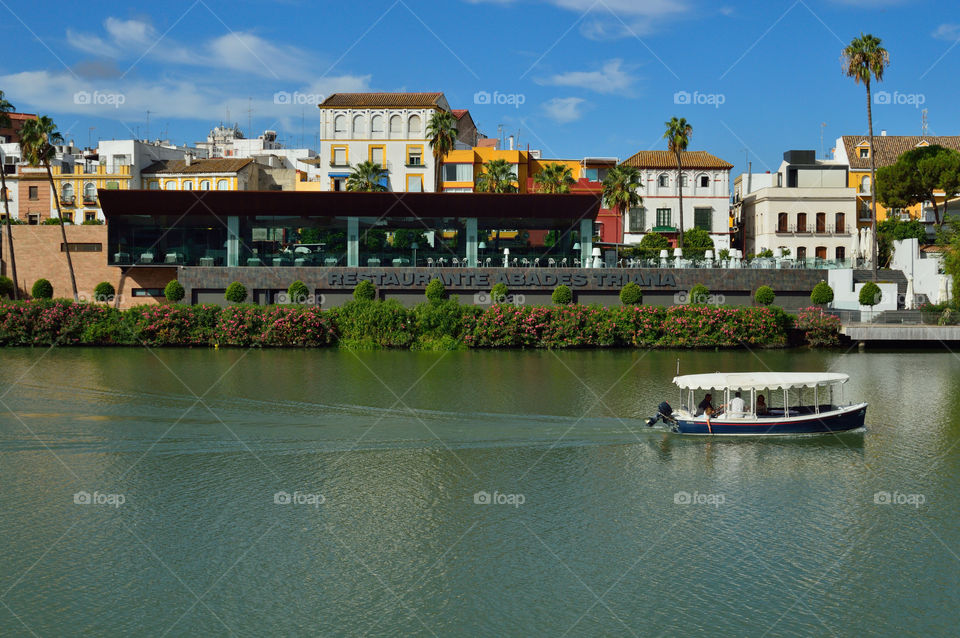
795,403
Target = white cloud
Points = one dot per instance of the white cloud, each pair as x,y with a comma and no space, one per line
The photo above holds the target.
564,109
949,32
610,78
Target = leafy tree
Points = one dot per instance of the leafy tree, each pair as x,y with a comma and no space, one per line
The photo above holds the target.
298,292
631,295
822,294
174,291
651,245
38,141
42,289
497,177
366,177
5,109
678,137
699,294
436,292
403,238
499,292
554,179
916,175
900,230
442,133
104,291
870,294
696,242
562,295
764,295
365,291
236,293
6,287
950,237
864,60
374,239
620,188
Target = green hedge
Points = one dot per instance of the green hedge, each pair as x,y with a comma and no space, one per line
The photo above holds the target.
388,324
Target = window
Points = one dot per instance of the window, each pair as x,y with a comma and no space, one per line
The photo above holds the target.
414,183
864,153
840,221
89,216
112,186
821,222
414,155
637,220
376,124
188,185
147,292
205,184
801,222
33,219
340,157
458,172
841,253
169,185
34,193
67,196
358,125
821,252
67,217
703,218
89,193
865,184
396,125
663,181
154,186
223,185
683,180
782,223
801,252
77,247
376,155
340,124
413,125
663,217
704,181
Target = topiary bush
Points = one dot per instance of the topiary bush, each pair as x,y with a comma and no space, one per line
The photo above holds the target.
764,296
365,291
174,291
870,294
631,295
699,294
436,292
6,287
104,292
236,293
42,289
499,292
298,292
562,295
822,294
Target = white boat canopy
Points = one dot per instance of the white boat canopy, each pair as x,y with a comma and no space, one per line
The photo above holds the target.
758,380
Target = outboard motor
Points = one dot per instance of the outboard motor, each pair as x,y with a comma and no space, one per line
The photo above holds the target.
665,412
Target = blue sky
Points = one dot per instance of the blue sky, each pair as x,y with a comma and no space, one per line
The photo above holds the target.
572,77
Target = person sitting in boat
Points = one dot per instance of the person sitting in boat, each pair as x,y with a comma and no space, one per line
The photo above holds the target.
762,409
736,408
705,406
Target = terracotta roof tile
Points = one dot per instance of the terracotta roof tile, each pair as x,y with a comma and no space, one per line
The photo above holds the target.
220,165
890,147
666,159
458,113
347,100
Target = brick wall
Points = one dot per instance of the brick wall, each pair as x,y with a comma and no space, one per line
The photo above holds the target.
40,206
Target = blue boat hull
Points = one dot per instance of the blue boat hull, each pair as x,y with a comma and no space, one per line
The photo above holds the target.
813,424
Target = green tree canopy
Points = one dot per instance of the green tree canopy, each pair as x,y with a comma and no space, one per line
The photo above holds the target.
366,178
620,188
696,242
554,179
442,133
497,177
916,175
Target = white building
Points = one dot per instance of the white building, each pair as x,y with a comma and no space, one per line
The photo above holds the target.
706,196
9,158
809,211
387,128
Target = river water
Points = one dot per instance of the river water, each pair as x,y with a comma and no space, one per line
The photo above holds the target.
336,493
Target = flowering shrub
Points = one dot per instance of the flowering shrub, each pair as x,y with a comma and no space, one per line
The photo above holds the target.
819,328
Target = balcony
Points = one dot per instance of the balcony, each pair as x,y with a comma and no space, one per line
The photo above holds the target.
68,200
89,201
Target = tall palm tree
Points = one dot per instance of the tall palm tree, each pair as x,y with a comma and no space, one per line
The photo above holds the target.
442,131
366,177
38,140
678,137
620,188
5,108
497,177
865,59
554,179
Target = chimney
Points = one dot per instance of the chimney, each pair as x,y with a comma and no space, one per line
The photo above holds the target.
883,133
188,158
510,140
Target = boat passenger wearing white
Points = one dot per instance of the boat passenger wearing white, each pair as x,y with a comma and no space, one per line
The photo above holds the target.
736,408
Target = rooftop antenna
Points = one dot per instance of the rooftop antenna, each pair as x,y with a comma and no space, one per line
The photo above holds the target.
823,125
90,136
148,124
250,115
924,123
500,135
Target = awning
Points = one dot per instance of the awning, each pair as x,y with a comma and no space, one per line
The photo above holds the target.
758,380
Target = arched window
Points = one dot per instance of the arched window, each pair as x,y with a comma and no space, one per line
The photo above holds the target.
223,185
89,191
683,180
413,126
865,184
801,222
376,124
396,125
782,223
68,193
704,181
205,184
188,185
169,185
358,125
663,181
340,124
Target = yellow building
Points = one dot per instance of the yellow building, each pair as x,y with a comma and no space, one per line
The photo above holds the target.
855,151
201,174
462,167
77,189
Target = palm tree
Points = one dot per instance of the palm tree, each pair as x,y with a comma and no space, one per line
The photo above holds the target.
678,136
554,179
366,178
442,131
38,140
497,177
6,107
620,188
864,60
